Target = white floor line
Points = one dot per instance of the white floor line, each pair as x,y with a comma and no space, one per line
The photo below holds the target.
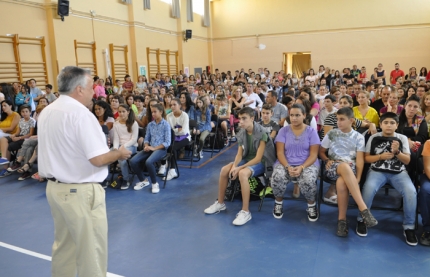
40,256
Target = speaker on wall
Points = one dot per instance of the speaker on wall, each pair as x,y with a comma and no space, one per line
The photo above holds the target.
63,8
188,34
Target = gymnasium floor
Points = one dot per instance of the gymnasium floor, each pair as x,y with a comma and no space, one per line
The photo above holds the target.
169,235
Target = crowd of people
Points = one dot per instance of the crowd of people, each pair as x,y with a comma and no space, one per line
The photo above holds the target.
287,123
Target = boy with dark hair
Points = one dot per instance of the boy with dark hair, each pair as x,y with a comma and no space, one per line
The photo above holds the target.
255,150
344,165
49,95
389,153
267,123
327,109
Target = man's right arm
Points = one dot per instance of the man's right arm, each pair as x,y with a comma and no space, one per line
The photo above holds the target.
109,157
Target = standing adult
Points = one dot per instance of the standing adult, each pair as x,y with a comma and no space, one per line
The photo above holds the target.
74,194
396,73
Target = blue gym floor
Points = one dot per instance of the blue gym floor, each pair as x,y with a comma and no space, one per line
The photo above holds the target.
169,235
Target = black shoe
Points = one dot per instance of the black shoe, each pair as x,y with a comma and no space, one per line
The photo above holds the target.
104,184
312,213
361,229
277,211
410,237
425,238
342,228
368,218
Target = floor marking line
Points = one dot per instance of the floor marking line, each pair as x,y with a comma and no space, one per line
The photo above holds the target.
40,256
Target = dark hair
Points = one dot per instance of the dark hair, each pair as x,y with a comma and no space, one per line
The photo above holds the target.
140,98
9,103
148,109
48,86
160,107
126,98
389,115
25,106
248,111
95,78
348,98
188,101
43,97
126,76
305,103
307,90
300,107
273,94
106,107
347,111
403,121
331,97
131,117
267,107
369,84
287,99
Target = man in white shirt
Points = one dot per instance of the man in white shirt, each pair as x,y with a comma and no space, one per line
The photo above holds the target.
252,100
73,156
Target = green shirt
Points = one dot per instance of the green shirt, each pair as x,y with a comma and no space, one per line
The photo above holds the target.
253,152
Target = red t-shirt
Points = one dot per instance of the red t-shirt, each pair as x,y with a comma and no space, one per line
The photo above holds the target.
394,74
127,85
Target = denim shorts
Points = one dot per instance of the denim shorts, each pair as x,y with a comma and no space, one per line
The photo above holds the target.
256,169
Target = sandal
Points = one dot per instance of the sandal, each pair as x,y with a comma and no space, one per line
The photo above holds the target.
36,176
24,168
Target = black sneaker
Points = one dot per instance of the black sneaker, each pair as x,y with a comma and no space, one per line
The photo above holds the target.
278,211
425,238
368,218
361,229
312,213
342,228
410,236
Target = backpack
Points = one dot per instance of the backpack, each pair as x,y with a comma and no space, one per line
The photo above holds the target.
216,140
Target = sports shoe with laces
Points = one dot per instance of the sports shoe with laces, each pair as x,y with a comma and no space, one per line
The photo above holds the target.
342,228
278,211
215,208
4,173
201,154
312,213
155,188
141,185
425,238
361,229
24,176
171,174
242,217
368,218
410,237
125,185
162,170
14,167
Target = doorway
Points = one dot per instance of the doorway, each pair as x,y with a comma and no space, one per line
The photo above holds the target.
297,62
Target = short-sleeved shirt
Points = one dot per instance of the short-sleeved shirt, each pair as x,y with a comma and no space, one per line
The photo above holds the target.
343,146
127,85
271,126
253,152
25,126
51,97
69,136
385,146
297,149
279,112
371,115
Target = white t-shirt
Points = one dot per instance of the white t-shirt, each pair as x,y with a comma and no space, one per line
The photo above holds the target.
343,146
69,136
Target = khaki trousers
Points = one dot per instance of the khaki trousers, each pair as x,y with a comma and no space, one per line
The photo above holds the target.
80,221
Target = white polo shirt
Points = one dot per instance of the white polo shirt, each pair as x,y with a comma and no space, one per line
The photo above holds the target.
69,136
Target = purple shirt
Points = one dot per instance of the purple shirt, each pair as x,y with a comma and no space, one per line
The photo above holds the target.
297,149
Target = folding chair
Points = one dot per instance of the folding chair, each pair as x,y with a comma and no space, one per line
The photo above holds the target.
212,134
170,157
192,144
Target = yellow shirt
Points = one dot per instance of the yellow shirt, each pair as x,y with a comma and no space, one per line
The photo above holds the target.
8,122
371,115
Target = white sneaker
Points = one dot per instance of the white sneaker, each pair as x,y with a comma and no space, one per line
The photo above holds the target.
155,188
215,208
242,217
162,170
141,185
170,175
125,185
201,154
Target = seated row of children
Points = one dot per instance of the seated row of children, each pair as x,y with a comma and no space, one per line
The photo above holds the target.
343,151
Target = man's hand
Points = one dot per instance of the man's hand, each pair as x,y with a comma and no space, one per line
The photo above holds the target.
124,152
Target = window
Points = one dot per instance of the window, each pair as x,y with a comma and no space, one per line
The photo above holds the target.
199,7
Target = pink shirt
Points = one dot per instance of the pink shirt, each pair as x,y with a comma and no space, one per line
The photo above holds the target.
99,91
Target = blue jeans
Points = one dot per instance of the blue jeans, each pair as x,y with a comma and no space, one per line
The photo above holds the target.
124,166
256,169
424,196
402,183
149,158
